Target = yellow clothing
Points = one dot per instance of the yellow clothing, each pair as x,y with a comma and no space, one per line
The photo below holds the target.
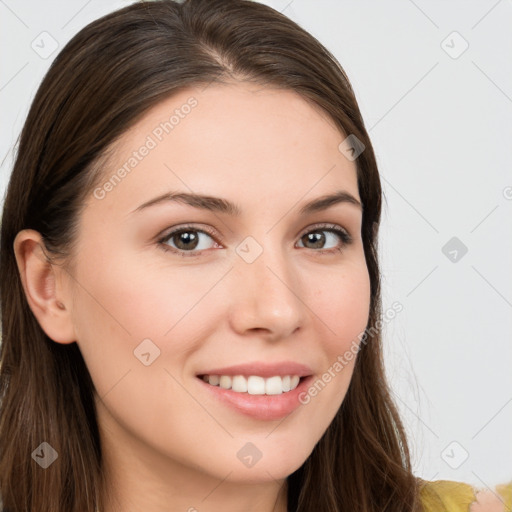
451,496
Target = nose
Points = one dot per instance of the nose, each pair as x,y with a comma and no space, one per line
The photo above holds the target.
266,296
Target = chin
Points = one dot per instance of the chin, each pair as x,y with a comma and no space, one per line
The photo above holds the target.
266,469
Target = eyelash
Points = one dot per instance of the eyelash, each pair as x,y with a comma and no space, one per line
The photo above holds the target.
333,228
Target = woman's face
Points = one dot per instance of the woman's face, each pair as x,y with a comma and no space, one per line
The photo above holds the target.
153,313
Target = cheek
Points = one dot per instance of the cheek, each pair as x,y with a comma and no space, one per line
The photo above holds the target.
126,303
342,303
128,311
142,298
342,307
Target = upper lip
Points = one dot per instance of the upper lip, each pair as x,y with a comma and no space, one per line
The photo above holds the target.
282,369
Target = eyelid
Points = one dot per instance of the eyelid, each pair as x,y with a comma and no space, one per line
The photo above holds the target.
327,226
193,227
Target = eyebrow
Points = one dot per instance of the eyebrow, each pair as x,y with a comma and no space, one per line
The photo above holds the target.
218,204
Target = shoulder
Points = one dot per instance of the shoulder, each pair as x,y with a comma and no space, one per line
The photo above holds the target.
487,501
453,496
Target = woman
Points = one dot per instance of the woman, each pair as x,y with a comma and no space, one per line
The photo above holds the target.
190,283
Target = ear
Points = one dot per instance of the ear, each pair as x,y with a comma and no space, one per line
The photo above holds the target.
42,285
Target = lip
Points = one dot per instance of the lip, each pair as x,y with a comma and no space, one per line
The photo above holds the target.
261,407
261,369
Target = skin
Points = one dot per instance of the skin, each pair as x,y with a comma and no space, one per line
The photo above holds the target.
169,445
487,501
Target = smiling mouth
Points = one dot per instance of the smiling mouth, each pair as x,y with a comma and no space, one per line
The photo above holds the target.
254,384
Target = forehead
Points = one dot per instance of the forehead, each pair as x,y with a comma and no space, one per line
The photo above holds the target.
239,140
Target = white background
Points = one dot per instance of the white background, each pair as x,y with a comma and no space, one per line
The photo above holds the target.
441,126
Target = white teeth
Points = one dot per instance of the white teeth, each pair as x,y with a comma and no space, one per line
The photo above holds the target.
213,380
225,382
274,386
254,385
239,384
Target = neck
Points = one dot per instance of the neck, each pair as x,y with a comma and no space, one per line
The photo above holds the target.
144,495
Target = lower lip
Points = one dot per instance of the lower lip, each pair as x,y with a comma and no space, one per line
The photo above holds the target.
262,407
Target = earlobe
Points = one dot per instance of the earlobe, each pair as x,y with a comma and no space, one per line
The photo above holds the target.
41,282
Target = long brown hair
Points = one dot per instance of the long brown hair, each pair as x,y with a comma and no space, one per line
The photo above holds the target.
100,84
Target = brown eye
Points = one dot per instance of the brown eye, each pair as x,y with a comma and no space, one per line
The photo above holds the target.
187,241
316,239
